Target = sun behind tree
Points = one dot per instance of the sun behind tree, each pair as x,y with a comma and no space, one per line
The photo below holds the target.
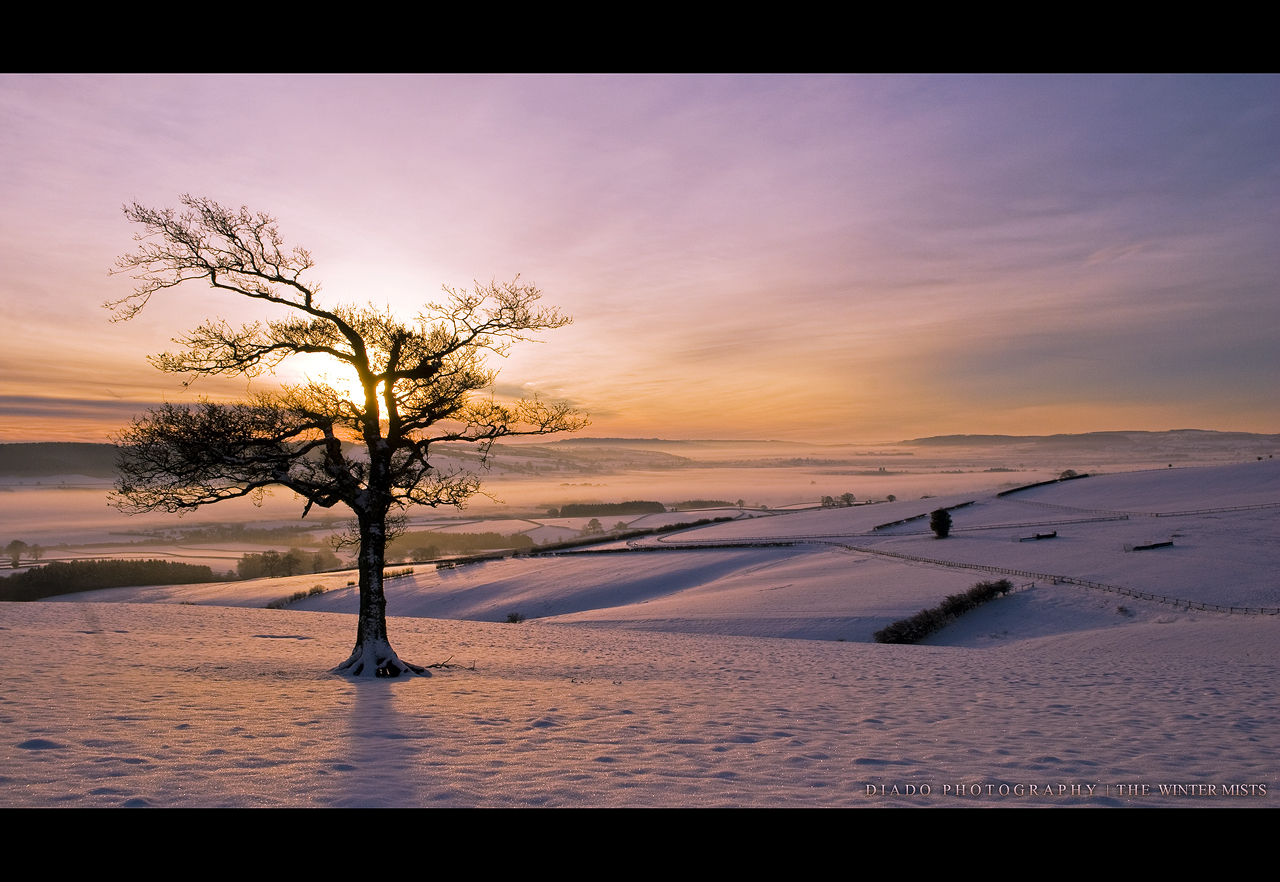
417,381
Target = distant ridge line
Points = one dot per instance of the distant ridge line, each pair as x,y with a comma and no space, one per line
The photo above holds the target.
675,441
1122,436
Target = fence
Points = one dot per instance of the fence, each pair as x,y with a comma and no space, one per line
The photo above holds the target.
1149,514
1177,602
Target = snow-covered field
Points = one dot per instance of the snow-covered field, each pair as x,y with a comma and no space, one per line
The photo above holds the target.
704,668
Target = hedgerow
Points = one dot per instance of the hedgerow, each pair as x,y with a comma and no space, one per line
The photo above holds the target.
927,621
89,575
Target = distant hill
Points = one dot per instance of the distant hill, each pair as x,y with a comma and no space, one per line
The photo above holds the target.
1083,440
57,458
1176,438
1204,438
652,443
49,458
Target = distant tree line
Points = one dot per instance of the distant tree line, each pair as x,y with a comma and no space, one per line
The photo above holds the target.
428,544
17,549
90,575
844,500
294,562
610,509
702,503
241,533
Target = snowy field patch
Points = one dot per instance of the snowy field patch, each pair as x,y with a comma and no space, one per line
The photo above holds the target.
674,676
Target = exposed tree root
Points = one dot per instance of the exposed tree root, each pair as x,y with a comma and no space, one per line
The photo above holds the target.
377,659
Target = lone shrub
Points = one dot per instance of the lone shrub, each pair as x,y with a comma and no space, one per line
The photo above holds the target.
514,618
940,523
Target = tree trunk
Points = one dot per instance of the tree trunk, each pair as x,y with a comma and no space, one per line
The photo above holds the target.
373,655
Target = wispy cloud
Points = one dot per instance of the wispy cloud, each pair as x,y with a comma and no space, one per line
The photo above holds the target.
806,257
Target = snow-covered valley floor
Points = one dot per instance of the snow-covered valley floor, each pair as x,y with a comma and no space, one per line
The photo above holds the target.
695,675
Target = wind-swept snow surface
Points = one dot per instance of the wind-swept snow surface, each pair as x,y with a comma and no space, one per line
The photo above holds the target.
168,705
660,677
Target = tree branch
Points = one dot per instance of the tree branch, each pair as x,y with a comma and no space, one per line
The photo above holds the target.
417,379
182,457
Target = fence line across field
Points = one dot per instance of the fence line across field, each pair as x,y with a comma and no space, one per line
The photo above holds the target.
1056,579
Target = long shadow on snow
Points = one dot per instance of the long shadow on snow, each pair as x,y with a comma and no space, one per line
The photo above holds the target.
538,587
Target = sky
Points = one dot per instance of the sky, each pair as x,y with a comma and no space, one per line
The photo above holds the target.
809,258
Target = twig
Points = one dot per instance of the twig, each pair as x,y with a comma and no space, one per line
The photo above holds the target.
444,665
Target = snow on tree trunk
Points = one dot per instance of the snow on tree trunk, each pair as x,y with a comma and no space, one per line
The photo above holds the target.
418,379
373,655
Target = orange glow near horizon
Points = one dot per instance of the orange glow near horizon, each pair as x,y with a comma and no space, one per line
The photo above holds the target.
826,259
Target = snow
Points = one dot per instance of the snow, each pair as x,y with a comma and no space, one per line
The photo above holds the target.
694,675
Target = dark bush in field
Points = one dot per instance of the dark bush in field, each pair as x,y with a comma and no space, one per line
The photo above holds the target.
940,523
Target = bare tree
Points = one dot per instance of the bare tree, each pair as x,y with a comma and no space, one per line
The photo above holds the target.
14,551
416,383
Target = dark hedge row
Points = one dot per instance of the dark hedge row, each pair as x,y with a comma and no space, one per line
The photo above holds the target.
1064,477
702,503
294,562
629,534
90,575
927,621
428,544
611,508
